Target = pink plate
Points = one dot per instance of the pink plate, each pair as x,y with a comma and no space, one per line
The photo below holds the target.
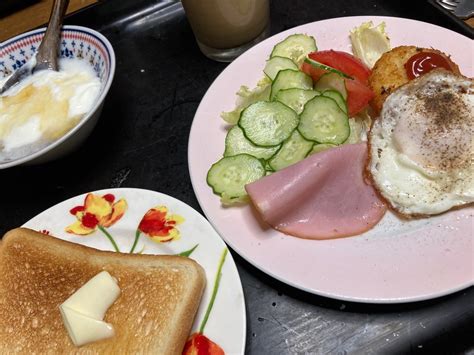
397,261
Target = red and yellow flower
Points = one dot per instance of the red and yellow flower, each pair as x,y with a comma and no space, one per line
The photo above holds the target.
96,211
160,225
199,344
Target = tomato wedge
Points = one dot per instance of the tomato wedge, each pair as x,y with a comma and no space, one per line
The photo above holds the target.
358,93
312,71
358,96
342,61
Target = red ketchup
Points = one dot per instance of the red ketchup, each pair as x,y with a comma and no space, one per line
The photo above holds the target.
423,62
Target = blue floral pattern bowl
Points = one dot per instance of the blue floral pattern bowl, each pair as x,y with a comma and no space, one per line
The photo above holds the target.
76,42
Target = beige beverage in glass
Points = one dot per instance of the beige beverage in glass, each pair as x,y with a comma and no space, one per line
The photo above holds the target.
226,28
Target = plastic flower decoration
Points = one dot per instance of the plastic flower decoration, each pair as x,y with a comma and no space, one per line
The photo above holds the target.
97,212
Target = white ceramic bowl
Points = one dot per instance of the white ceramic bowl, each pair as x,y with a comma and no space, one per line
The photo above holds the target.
76,42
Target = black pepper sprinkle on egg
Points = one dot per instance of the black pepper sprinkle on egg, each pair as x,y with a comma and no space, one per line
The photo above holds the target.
437,133
451,117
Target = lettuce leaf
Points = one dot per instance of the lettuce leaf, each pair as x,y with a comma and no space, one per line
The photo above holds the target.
369,42
360,126
246,97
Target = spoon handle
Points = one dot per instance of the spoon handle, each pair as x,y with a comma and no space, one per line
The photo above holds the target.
47,56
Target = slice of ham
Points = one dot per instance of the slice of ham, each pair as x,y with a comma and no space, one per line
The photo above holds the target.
323,196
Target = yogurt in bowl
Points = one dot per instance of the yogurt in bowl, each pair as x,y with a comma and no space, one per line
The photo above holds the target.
45,106
50,113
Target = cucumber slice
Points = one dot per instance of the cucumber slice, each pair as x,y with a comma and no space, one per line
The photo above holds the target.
287,79
236,143
319,147
323,121
332,81
267,124
229,175
336,96
325,67
295,47
295,98
275,64
294,149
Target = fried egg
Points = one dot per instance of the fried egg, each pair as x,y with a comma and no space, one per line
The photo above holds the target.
422,145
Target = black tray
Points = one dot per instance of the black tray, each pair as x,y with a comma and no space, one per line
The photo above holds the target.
141,141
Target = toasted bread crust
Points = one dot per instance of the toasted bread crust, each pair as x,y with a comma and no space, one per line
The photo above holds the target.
159,297
389,72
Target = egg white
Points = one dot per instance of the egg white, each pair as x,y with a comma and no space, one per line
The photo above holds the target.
422,145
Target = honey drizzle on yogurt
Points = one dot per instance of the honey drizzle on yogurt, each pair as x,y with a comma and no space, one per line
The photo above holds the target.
37,103
45,106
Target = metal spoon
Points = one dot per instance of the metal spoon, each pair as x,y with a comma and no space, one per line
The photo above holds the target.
47,55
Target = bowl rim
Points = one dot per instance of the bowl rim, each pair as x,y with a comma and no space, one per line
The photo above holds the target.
92,111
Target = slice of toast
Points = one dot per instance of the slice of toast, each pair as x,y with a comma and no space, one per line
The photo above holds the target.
154,313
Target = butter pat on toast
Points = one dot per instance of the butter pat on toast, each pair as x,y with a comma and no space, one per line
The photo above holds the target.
154,313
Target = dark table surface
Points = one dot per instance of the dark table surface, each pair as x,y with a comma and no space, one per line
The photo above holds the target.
141,141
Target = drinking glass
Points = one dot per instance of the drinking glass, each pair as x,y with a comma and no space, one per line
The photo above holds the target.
224,29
